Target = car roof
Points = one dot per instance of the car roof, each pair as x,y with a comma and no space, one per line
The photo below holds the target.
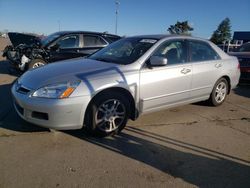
86,32
162,36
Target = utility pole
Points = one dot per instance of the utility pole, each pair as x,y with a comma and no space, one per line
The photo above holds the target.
117,3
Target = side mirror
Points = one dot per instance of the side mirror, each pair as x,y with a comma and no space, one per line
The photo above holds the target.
55,47
158,61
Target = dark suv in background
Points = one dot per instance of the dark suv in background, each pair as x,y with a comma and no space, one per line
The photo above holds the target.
243,55
29,51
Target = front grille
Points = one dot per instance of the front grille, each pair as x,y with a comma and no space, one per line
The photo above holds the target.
13,56
40,115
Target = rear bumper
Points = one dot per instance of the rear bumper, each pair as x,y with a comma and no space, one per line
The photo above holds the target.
235,78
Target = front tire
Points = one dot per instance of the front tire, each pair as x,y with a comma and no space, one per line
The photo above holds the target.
107,114
36,63
219,92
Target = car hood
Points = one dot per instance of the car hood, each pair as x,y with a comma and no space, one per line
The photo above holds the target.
20,38
69,70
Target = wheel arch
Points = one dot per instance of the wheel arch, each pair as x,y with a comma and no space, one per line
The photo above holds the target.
30,63
228,81
133,111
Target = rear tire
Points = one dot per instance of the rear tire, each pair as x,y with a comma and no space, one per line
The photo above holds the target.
219,92
36,63
107,114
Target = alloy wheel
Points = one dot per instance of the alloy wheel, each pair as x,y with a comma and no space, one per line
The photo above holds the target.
220,92
38,64
110,115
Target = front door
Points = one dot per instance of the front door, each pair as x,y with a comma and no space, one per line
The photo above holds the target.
69,47
167,85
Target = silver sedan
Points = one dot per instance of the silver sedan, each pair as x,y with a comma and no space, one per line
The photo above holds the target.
132,76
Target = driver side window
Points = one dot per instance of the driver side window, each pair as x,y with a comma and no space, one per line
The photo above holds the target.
71,41
174,51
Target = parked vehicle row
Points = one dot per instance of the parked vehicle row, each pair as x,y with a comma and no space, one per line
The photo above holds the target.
130,77
243,55
28,51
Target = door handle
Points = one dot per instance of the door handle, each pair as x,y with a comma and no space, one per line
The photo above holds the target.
78,51
185,71
218,65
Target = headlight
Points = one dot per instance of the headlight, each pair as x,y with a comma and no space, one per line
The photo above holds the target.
57,91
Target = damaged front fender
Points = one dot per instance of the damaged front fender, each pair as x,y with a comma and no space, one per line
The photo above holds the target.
23,50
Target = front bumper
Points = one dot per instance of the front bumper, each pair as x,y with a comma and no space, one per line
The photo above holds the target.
59,114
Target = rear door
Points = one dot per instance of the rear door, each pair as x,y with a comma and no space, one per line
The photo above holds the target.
207,67
167,85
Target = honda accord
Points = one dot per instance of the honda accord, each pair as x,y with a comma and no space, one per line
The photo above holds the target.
130,77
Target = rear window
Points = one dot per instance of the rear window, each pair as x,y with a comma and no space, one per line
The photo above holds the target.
91,40
201,51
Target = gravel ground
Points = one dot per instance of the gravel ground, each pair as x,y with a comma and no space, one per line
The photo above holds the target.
3,43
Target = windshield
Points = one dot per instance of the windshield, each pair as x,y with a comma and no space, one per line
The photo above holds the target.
112,38
49,38
124,51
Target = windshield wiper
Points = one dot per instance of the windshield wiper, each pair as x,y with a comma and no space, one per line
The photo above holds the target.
102,59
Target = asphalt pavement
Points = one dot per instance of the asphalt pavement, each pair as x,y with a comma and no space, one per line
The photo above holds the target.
189,146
